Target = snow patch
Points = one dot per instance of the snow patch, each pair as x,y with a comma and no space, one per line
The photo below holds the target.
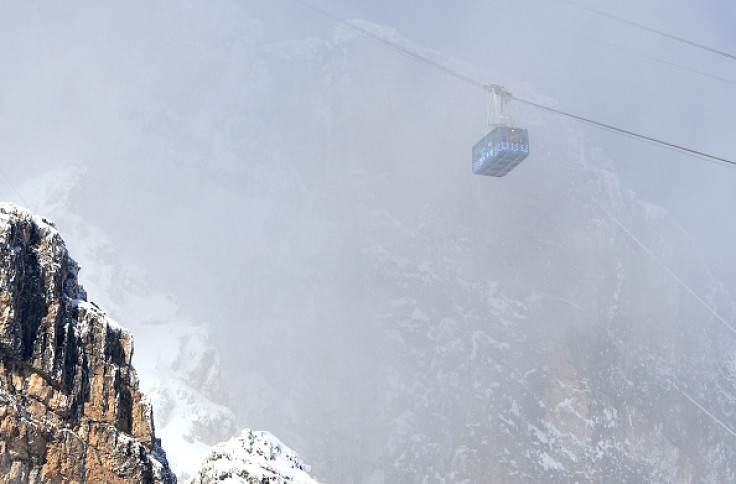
549,463
255,456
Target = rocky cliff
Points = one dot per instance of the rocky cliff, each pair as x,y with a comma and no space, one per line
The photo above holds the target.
70,402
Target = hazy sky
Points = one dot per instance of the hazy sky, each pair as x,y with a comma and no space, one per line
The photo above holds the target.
581,62
595,67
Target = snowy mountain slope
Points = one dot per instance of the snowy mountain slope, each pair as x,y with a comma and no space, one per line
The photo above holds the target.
574,380
389,315
517,328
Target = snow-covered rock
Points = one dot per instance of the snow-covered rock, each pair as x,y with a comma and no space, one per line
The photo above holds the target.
256,457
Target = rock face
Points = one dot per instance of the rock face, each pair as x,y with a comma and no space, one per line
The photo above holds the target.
70,404
256,457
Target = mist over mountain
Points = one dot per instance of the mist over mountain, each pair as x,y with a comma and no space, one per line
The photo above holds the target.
293,235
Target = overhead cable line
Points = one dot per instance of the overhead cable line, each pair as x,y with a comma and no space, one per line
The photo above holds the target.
475,83
393,45
469,80
651,58
632,134
649,29
662,61
637,53
697,297
672,273
12,187
715,419
647,56
694,295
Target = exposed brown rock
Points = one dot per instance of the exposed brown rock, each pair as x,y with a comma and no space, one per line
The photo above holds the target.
70,405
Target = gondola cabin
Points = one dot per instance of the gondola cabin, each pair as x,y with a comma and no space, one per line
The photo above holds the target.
500,150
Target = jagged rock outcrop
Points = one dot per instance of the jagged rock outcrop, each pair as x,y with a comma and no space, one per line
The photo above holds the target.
256,457
70,403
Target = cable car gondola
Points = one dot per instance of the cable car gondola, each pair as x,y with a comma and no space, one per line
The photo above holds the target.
503,146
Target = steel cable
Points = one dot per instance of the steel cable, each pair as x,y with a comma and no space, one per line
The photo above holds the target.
473,82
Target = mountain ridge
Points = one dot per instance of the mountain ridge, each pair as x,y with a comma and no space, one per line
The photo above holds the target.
70,402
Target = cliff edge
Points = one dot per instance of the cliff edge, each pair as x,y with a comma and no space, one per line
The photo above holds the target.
70,405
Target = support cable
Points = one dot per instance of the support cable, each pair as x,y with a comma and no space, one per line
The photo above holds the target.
699,299
649,29
650,139
690,152
672,273
12,187
473,82
662,61
715,419
393,45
